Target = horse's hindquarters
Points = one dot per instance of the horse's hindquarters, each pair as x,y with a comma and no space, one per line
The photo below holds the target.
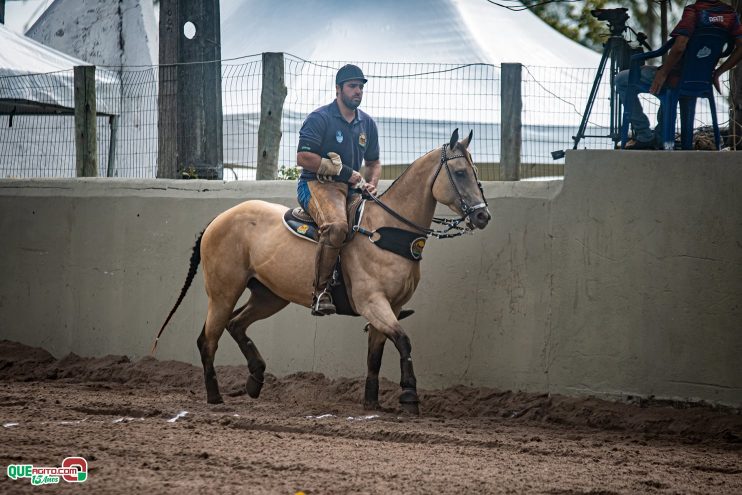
250,241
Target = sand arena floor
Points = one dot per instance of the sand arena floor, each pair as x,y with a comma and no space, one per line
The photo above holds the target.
144,427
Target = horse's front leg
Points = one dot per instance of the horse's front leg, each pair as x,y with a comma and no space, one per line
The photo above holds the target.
381,316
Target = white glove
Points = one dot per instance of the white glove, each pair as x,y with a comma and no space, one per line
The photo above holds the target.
329,167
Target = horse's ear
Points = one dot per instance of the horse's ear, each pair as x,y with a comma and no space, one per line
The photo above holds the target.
466,142
454,138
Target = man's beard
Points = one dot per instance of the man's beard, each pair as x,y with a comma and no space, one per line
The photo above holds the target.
350,103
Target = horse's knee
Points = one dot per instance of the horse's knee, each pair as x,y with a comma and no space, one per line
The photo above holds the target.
334,233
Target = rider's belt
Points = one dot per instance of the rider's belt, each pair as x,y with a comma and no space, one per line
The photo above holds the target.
401,242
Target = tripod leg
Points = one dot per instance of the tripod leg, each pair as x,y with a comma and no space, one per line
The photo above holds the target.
593,93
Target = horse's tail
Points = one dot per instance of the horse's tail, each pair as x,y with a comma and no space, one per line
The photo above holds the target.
192,269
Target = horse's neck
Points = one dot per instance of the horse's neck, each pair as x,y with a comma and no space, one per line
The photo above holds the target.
411,195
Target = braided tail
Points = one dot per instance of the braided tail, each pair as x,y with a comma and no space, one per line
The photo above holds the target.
192,269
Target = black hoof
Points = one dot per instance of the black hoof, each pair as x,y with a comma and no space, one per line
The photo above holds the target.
371,406
253,387
217,399
408,395
409,401
410,408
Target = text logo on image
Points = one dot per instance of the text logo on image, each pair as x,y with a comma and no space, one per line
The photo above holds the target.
72,470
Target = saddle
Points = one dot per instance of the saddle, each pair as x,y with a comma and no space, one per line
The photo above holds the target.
301,224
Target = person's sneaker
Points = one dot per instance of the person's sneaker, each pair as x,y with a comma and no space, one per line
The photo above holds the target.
640,145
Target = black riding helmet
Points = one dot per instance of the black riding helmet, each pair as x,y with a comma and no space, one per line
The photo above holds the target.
348,73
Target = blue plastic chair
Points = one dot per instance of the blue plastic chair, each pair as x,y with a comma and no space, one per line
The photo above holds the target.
700,58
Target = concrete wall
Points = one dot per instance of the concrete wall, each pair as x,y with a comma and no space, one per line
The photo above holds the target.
625,278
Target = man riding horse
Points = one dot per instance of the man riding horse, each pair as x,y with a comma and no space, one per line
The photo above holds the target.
250,247
333,141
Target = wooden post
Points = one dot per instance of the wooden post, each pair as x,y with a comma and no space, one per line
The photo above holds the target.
510,127
167,94
113,125
86,144
663,26
735,100
190,90
271,108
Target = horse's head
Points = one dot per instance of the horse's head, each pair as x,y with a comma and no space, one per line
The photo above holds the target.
456,184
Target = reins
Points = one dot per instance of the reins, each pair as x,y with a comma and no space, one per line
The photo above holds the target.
451,224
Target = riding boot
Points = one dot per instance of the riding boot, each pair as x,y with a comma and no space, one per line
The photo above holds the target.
325,260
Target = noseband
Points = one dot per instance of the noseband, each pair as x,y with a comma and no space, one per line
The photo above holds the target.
451,224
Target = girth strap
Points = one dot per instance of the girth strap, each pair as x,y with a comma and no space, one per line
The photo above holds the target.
402,242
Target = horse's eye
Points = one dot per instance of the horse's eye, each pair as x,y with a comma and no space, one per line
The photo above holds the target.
460,173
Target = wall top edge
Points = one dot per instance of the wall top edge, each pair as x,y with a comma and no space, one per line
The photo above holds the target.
106,187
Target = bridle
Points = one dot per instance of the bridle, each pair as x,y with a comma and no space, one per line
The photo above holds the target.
451,224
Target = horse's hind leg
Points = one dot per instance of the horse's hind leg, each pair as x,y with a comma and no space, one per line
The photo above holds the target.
208,341
376,341
262,304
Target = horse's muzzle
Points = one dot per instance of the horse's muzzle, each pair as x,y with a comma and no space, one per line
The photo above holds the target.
479,218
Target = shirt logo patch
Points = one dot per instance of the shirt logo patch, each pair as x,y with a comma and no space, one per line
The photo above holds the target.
703,52
339,136
362,139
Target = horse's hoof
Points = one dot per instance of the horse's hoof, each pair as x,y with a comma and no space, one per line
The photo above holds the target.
409,402
371,405
217,399
410,408
408,395
253,387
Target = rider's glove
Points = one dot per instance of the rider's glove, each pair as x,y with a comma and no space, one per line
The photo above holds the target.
331,169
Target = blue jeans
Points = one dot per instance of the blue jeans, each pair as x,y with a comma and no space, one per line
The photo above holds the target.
303,195
638,120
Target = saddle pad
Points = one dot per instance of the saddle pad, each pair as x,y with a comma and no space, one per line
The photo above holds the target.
301,224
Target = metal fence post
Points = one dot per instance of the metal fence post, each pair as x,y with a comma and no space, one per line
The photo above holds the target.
511,106
86,144
272,97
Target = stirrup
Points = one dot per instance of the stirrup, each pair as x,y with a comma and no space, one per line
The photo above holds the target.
322,304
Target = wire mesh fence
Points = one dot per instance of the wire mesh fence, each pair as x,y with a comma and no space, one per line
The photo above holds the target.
241,87
416,107
132,132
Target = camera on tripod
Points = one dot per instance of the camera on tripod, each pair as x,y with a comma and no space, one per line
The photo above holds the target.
618,50
616,18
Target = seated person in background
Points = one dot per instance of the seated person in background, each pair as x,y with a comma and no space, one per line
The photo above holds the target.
703,13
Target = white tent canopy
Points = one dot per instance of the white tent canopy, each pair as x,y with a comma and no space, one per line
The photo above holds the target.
36,74
439,31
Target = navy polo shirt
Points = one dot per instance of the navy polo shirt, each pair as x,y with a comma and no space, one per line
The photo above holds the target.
326,130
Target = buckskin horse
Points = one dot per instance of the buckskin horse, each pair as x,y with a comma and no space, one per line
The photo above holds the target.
249,246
